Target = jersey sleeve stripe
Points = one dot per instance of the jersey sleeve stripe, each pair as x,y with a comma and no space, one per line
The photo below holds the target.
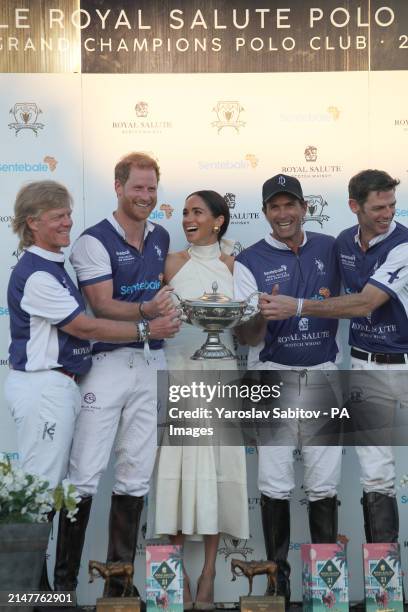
93,281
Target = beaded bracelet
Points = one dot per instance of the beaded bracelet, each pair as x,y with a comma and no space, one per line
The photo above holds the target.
144,330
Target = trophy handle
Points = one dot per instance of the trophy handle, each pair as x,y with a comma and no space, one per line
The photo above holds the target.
250,310
182,314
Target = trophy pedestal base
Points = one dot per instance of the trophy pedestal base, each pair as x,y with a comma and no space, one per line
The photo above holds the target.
262,603
118,604
213,348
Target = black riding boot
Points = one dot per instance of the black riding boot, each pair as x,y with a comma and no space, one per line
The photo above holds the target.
44,582
124,522
323,520
381,521
70,542
276,529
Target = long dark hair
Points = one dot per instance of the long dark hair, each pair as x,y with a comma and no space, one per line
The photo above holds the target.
217,205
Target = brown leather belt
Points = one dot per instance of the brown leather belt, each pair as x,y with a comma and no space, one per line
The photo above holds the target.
383,358
67,373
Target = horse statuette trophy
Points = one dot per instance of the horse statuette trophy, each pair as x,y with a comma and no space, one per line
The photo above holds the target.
214,313
114,569
249,569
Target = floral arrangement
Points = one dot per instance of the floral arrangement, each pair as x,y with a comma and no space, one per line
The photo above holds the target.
26,498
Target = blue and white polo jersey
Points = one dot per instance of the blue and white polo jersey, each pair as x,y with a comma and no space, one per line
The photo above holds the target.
384,265
311,273
42,299
102,253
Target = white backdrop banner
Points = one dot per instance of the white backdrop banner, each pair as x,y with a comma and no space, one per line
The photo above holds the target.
227,132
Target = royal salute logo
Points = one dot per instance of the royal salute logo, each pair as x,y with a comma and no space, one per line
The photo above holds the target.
228,113
146,122
230,200
142,109
311,153
315,206
303,324
239,218
25,115
311,169
234,546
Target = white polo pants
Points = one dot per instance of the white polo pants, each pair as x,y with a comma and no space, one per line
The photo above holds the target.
311,388
44,406
377,463
119,407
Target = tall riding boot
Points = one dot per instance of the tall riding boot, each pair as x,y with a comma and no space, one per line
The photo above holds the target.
44,582
70,542
323,520
381,521
124,522
276,529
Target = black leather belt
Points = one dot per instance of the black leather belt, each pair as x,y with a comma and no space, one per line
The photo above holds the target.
67,373
379,357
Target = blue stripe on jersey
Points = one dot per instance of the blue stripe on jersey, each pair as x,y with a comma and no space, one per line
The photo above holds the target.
312,274
73,353
386,329
136,277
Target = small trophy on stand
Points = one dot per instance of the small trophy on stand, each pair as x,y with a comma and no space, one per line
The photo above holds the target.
249,569
117,569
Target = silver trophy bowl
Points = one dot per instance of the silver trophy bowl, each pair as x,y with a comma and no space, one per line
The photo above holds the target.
213,313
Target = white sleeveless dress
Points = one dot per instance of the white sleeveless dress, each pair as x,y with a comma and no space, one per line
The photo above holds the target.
200,490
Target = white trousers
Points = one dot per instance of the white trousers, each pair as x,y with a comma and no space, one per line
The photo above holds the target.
308,389
44,406
377,463
119,407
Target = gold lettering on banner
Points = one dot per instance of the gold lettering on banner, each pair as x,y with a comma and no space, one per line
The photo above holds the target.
37,38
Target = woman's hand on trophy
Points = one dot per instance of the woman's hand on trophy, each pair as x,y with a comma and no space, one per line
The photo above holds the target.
162,303
166,326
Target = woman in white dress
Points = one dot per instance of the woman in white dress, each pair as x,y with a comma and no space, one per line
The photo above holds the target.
201,490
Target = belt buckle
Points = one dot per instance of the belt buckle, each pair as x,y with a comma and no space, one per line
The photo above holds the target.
384,358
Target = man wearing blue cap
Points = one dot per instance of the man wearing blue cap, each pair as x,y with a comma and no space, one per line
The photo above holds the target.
303,265
372,257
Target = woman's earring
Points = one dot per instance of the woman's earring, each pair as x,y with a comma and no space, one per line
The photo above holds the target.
216,229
